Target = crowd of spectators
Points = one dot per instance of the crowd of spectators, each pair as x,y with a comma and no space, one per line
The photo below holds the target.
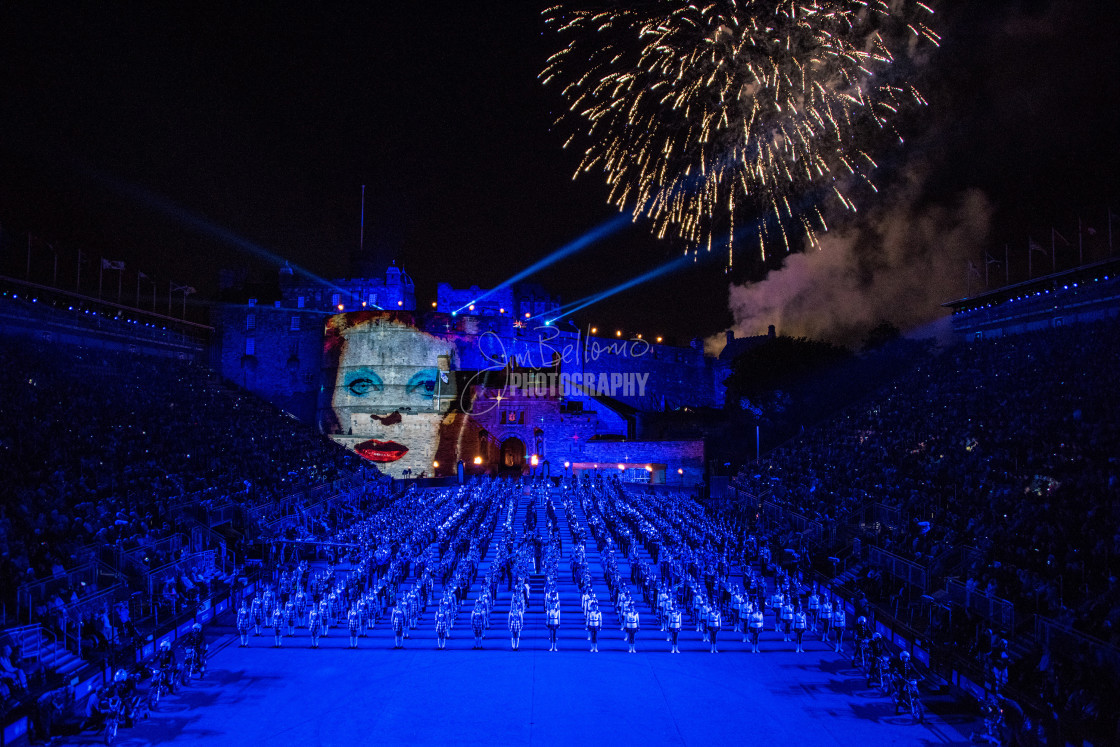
1006,447
97,447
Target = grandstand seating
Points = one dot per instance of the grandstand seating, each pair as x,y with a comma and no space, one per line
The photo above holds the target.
996,464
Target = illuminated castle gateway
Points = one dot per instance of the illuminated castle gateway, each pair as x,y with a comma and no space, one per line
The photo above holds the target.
475,376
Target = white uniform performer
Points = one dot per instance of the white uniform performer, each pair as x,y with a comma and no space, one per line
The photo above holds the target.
674,629
756,623
839,623
553,625
594,623
800,623
631,622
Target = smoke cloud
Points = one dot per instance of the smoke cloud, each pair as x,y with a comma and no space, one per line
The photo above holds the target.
897,263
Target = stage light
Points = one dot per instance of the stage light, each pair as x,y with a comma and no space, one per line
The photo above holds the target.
618,333
454,313
594,330
435,465
659,339
567,464
599,232
363,304
526,314
478,460
622,466
471,307
400,303
534,460
680,471
433,304
649,468
501,311
676,264
639,335
340,307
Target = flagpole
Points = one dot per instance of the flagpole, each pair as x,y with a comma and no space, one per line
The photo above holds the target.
1080,244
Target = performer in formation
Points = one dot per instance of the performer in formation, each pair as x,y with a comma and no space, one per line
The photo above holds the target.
243,624
447,557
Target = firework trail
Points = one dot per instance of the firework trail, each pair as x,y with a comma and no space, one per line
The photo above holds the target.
703,113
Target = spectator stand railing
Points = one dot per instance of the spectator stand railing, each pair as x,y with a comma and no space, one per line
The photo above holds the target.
1057,637
811,531
998,611
899,567
942,661
62,310
28,641
139,560
890,516
71,618
224,514
87,553
171,572
31,595
954,560
203,538
270,514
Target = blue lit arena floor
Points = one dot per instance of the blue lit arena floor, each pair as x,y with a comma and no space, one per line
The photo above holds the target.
420,695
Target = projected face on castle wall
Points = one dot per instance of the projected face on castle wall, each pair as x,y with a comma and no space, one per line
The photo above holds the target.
392,388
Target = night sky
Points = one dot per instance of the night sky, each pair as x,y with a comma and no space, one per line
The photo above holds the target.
267,123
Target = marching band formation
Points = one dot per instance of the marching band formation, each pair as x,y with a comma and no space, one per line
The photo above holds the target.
497,547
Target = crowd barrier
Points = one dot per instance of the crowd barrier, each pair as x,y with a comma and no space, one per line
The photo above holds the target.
899,567
998,611
140,559
1055,636
72,617
85,578
198,562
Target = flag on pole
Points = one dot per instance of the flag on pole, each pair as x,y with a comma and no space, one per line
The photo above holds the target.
1032,247
989,260
108,264
1054,247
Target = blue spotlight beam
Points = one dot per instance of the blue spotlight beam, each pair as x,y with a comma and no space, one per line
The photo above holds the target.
677,264
596,234
672,266
205,227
